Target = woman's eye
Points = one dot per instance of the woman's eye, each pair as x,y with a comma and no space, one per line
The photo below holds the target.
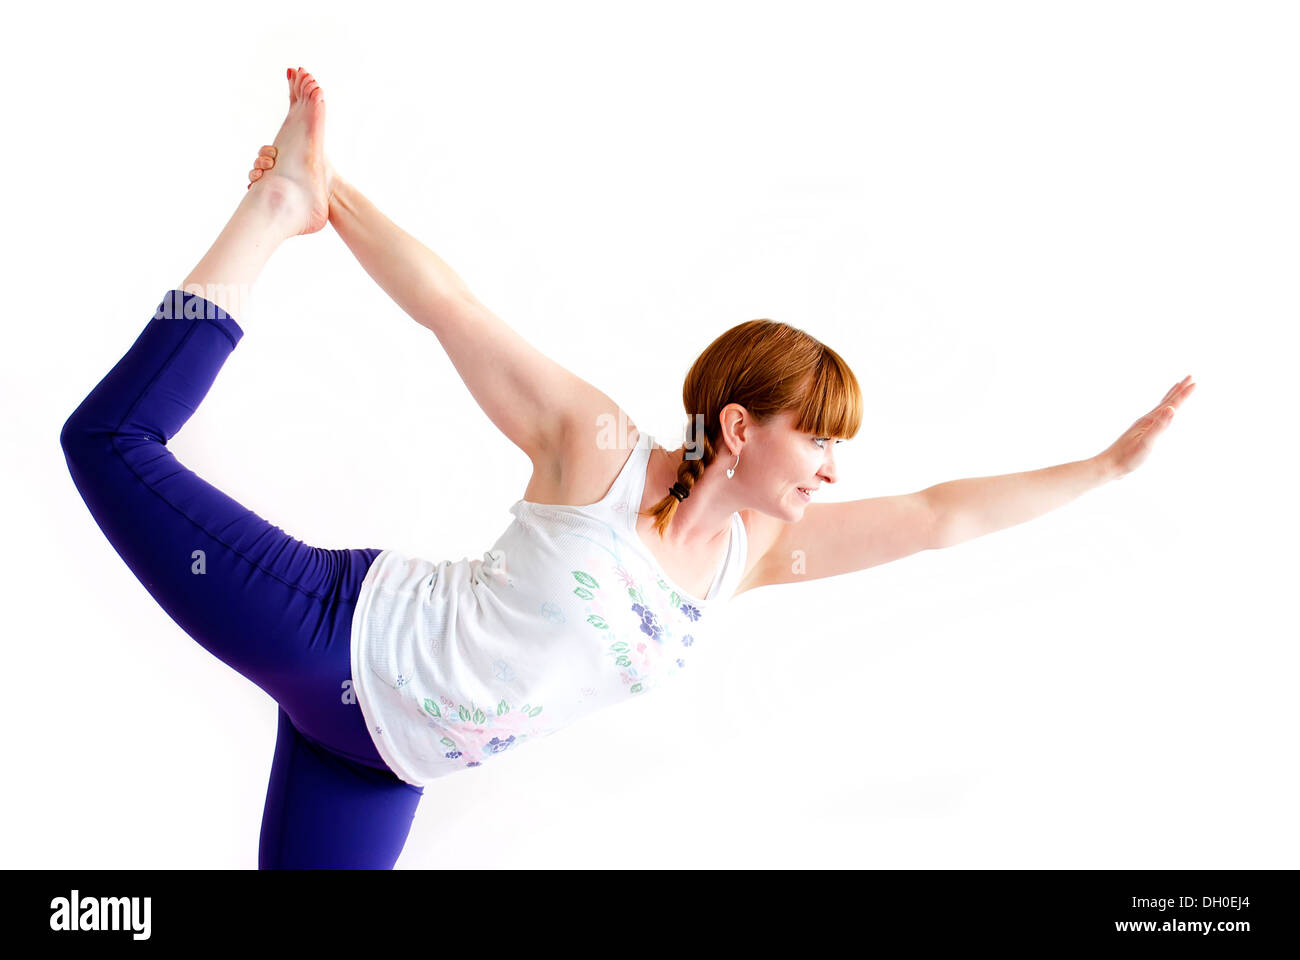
820,440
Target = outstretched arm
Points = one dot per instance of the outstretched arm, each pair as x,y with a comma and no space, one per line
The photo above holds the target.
972,507
528,396
837,538
533,400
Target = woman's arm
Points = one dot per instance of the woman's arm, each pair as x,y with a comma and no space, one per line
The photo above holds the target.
831,539
971,507
974,506
529,397
835,538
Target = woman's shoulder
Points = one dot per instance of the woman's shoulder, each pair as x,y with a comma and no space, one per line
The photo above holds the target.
582,472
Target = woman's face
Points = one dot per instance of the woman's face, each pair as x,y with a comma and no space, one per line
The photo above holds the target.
777,461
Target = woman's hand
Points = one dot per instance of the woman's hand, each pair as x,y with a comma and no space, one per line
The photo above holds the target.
1128,452
266,160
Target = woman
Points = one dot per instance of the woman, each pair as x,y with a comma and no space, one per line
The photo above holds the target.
390,671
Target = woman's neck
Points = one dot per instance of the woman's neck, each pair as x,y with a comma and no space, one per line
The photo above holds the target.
702,517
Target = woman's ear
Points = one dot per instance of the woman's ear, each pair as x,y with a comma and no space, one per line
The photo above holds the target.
735,425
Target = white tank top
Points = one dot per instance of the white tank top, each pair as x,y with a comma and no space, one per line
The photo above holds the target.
569,612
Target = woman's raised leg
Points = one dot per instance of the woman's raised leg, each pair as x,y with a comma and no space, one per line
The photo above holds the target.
263,602
204,557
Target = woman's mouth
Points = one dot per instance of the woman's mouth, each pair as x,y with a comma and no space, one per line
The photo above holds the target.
805,493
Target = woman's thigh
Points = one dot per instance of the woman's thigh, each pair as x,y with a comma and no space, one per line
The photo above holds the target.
313,676
277,610
325,812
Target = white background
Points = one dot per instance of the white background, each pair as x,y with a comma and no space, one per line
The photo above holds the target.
1020,223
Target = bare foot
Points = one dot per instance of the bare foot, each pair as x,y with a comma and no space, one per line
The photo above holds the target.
266,161
293,170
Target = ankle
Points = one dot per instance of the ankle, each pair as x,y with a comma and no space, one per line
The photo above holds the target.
276,206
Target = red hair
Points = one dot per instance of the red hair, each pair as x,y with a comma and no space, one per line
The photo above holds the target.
768,368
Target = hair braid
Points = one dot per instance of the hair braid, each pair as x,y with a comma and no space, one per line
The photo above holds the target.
688,471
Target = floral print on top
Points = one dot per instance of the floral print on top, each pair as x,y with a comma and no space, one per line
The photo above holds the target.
504,726
639,658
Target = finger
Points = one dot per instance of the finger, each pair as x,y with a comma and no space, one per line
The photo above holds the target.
268,151
1178,391
254,176
1182,394
263,163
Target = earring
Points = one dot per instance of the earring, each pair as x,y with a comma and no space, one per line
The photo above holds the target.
732,469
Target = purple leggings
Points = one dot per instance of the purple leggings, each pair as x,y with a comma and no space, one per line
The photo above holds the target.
270,606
